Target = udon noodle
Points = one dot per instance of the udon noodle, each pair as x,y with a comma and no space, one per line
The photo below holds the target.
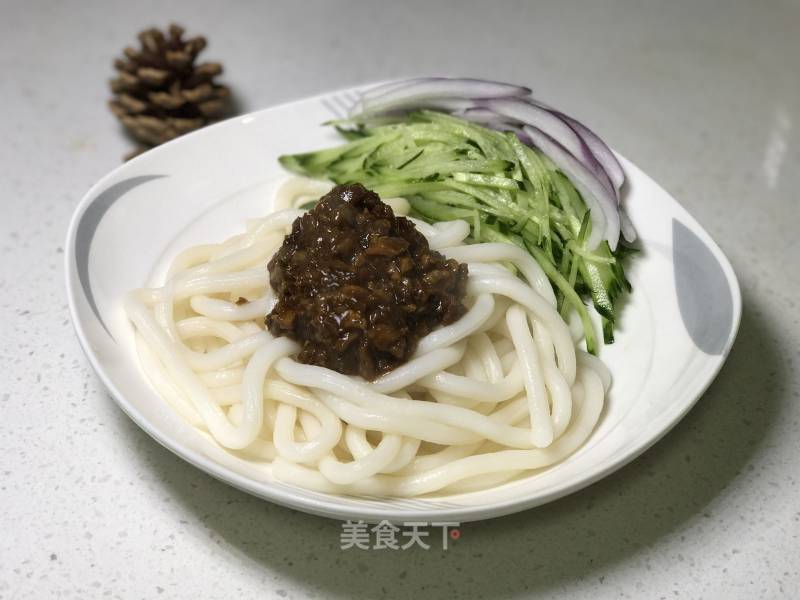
500,393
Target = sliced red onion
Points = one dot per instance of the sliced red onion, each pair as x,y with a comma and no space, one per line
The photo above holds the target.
448,104
602,204
598,147
515,129
452,106
426,89
381,89
600,150
626,226
479,115
490,119
487,118
554,126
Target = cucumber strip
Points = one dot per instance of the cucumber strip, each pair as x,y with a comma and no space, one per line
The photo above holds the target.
438,212
423,169
460,200
493,181
601,295
492,233
570,295
449,168
393,190
485,139
593,257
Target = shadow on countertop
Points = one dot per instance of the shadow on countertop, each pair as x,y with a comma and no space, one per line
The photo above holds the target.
578,537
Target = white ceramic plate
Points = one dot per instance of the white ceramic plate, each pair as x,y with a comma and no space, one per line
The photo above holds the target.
676,329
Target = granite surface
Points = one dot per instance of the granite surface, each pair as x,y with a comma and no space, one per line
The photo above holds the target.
704,96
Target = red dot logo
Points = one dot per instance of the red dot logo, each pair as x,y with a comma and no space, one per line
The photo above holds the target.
455,534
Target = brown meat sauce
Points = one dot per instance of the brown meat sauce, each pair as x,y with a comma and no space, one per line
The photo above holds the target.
358,287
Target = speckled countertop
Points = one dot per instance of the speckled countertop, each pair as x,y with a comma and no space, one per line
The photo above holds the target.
704,96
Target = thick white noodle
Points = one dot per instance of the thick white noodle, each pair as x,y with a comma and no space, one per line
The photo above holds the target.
496,252
495,396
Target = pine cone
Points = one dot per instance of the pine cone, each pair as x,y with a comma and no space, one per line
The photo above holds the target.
160,93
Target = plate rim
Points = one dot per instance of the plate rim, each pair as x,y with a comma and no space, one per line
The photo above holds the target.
326,505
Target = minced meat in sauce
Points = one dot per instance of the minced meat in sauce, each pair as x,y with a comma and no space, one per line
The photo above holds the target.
358,287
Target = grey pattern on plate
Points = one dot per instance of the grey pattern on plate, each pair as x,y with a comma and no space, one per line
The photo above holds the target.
90,220
704,296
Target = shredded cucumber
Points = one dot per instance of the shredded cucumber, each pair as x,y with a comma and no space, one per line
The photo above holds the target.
449,168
